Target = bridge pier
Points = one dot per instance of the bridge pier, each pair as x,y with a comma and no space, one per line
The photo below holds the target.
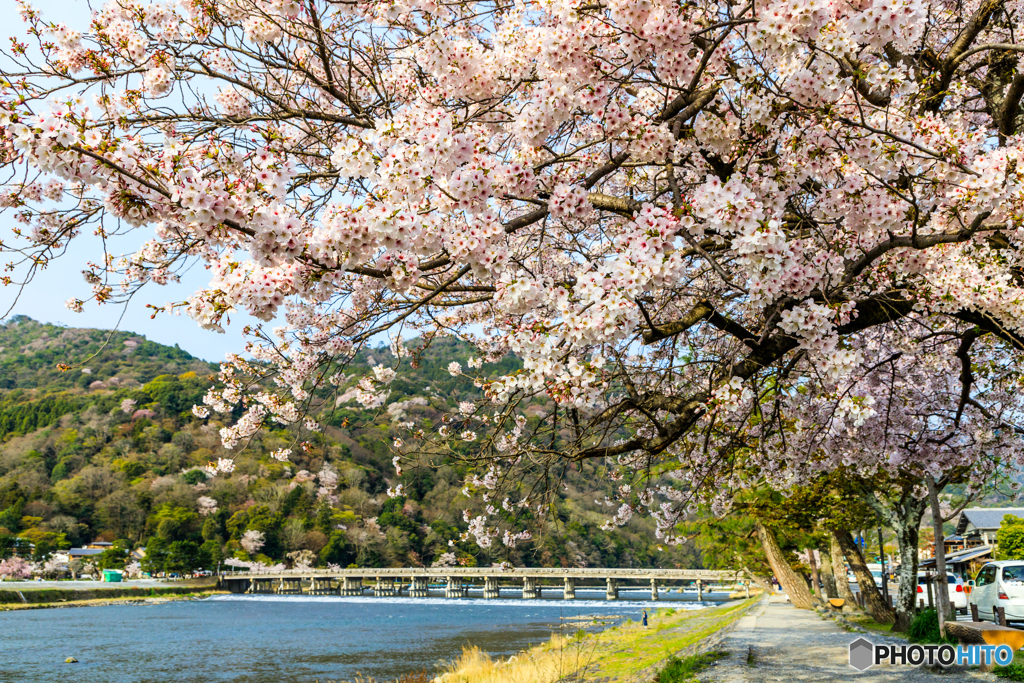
531,588
455,588
491,589
351,586
612,592
289,586
321,585
261,586
700,590
569,592
418,588
386,587
654,589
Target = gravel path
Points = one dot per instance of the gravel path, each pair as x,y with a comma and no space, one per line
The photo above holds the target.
780,643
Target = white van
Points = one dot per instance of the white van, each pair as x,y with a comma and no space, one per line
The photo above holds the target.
876,572
1000,584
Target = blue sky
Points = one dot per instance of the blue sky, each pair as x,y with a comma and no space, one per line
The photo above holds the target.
44,298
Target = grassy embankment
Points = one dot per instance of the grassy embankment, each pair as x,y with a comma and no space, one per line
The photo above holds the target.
16,595
622,653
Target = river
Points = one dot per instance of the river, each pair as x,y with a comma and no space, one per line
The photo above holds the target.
286,639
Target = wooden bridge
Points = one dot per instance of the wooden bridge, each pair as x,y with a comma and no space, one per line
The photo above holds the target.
416,581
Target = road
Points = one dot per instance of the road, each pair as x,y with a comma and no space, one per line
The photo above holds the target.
78,585
779,643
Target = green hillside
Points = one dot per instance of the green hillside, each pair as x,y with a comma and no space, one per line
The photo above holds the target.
77,466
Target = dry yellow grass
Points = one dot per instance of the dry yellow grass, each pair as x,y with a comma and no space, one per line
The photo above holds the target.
620,654
547,663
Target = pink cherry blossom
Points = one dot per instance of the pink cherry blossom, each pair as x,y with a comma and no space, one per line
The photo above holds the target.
691,224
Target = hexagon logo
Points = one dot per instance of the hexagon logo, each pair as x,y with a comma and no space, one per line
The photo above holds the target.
862,654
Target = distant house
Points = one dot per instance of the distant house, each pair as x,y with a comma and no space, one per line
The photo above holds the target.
137,555
978,526
23,547
99,545
951,544
84,554
954,543
963,563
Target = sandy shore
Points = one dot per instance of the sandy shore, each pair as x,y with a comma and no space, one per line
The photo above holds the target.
32,595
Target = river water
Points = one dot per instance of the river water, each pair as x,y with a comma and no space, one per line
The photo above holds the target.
286,639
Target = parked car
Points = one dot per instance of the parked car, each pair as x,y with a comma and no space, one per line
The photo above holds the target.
1000,584
957,594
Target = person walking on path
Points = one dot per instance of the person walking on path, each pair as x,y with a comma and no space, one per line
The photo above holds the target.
645,618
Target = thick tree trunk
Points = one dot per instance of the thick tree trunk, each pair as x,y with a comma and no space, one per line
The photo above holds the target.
941,582
904,517
795,587
906,596
815,579
839,570
876,607
828,576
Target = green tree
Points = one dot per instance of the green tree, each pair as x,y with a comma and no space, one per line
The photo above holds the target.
210,554
10,518
338,550
211,529
156,555
113,557
325,518
1010,539
182,556
175,523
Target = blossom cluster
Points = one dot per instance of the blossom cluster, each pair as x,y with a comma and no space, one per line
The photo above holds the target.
679,219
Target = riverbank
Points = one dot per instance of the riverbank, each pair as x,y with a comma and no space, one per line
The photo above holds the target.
621,654
25,596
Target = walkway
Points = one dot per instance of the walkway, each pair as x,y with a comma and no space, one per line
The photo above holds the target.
778,642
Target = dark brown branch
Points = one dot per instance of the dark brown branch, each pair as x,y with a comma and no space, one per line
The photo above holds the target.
992,326
699,312
966,375
854,269
687,105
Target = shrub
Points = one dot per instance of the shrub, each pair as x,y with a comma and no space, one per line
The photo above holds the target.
925,628
1013,672
680,670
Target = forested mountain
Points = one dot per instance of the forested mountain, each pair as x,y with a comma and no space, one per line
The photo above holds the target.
109,449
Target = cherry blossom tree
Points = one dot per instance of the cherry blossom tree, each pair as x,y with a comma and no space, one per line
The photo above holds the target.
54,566
16,568
677,215
207,505
302,559
252,541
253,567
938,415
